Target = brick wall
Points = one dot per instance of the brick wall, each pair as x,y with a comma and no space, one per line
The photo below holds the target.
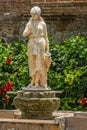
63,17
57,1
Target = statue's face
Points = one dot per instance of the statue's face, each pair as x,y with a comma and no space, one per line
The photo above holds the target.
35,16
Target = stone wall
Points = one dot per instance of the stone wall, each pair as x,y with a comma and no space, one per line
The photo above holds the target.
63,17
20,124
76,123
59,123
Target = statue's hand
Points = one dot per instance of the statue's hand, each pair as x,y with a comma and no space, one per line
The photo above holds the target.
29,35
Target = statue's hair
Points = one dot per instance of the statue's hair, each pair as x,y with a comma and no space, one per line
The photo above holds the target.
35,9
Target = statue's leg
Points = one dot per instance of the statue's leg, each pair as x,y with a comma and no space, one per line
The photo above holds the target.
31,63
32,81
37,79
43,80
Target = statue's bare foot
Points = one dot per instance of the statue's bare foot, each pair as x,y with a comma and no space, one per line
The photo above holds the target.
46,87
31,85
37,85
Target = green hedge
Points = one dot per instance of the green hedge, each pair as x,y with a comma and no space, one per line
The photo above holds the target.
68,71
13,69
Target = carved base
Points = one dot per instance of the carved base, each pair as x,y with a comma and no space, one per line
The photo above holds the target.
36,104
34,88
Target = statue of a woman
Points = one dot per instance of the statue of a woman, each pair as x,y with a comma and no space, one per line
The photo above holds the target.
38,49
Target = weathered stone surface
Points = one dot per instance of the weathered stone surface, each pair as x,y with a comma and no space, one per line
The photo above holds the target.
37,94
20,124
76,123
80,114
33,88
66,123
10,114
37,105
6,114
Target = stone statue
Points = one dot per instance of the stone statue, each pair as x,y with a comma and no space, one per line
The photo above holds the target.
39,58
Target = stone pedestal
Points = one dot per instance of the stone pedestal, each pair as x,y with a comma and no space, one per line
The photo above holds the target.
36,104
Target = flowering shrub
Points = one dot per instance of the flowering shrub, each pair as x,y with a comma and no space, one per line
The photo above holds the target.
4,99
68,72
8,60
7,86
83,101
13,71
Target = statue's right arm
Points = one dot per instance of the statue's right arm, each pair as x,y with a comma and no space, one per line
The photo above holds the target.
27,30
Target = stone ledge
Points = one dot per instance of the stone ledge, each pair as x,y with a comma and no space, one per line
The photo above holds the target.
31,121
61,113
10,114
37,94
16,114
80,114
62,123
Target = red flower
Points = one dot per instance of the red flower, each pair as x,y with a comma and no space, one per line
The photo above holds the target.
2,91
6,100
83,101
8,60
8,86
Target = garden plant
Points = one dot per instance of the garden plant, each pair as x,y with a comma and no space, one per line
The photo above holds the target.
68,71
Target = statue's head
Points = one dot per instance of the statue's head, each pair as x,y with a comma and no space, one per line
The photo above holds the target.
35,10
